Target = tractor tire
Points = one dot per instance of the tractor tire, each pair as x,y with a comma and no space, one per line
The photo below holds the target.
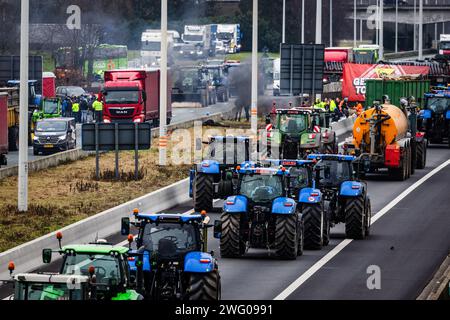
399,174
286,237
221,94
301,239
13,138
413,157
204,287
408,162
203,192
231,244
368,216
355,219
326,228
225,188
313,222
421,155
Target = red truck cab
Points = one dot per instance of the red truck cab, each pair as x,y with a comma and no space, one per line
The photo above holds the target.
133,96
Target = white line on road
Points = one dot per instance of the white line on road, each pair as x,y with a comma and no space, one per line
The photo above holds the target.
319,264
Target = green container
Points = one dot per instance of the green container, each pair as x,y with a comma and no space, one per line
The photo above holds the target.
396,89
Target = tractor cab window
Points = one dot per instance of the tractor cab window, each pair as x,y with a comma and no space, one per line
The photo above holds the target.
292,123
261,188
107,267
234,152
333,173
47,291
438,105
169,239
50,107
299,178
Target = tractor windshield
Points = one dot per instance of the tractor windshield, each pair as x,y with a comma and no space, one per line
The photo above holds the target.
107,267
261,188
333,173
50,107
292,123
299,178
170,239
47,291
438,104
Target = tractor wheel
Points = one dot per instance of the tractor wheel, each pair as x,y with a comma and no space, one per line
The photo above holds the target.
326,229
399,174
301,239
421,155
231,244
225,188
355,225
203,192
368,216
286,237
204,286
313,221
13,138
413,157
408,162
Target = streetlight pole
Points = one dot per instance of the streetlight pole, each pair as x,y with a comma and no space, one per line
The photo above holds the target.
331,23
319,22
254,107
163,88
381,29
354,24
396,26
283,38
414,33
303,21
23,117
420,29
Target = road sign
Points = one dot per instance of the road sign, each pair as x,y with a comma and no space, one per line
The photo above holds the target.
301,69
115,137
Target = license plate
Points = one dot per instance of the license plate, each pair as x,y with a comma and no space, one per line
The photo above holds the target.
48,146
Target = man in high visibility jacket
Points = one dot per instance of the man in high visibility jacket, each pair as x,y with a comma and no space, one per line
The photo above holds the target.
76,110
98,109
332,105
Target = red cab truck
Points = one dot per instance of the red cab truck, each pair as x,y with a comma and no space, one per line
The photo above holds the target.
134,96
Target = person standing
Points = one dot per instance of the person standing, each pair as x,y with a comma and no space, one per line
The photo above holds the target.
84,110
76,110
98,109
64,107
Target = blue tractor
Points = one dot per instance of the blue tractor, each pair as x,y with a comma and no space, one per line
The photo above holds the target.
345,196
434,119
260,215
213,177
171,262
310,202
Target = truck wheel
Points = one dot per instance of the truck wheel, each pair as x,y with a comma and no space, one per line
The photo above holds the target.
204,286
421,155
355,224
13,139
231,244
286,237
314,226
203,192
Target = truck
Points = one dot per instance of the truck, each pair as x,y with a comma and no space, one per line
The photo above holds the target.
434,118
151,44
203,36
230,37
386,137
335,57
133,96
444,48
366,54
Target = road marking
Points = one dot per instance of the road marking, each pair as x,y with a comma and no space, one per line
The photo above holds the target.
123,243
319,264
8,298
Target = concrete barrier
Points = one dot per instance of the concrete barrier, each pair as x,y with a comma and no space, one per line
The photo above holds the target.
27,256
343,125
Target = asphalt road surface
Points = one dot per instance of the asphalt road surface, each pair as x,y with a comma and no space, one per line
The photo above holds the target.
409,240
179,115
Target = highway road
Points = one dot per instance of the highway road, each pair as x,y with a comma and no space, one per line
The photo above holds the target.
179,115
409,240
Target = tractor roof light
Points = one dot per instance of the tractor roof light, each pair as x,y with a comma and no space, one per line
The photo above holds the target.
136,211
11,267
203,213
130,238
91,270
59,235
238,168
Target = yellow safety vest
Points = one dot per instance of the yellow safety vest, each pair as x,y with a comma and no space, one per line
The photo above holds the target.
332,105
98,106
75,107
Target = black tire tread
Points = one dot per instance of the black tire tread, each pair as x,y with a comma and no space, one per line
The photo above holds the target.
354,218
203,192
286,241
312,220
231,244
204,286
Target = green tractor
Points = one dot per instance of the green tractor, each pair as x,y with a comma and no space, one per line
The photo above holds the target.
50,108
293,134
105,263
321,122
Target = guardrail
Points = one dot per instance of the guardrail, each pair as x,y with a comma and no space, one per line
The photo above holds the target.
27,257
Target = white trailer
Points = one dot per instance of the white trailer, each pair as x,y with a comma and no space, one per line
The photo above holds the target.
229,37
151,44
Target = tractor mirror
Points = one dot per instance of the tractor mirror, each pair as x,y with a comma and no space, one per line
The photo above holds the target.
47,255
217,229
125,228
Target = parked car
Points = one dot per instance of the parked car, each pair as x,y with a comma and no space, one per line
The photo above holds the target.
70,91
54,135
